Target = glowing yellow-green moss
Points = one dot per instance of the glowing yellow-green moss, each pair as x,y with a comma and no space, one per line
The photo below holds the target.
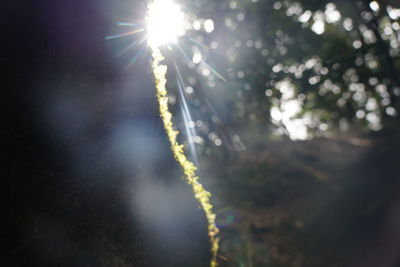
189,169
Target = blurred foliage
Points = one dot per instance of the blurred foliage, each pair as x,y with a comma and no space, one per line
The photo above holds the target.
312,68
323,71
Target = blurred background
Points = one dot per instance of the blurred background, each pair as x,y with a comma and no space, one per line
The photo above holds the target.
289,108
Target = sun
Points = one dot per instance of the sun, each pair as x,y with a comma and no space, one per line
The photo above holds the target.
164,23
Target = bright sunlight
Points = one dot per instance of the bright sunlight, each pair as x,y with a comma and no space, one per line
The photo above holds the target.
165,22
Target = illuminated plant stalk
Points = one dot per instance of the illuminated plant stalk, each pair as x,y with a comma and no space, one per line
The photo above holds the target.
189,169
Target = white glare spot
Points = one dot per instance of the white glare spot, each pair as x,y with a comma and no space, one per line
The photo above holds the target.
240,16
391,111
332,15
218,142
318,27
205,72
394,13
240,74
214,45
196,25
357,44
198,140
285,113
348,24
374,6
305,17
276,114
360,114
374,121
197,58
165,22
209,25
277,5
189,90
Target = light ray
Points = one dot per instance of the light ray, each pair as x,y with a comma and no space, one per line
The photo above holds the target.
189,169
191,135
183,52
164,25
216,73
124,34
187,117
196,42
129,24
131,46
137,56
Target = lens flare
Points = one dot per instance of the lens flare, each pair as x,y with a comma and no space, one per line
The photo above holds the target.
165,23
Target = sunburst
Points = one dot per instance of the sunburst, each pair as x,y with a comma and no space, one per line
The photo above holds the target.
164,25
